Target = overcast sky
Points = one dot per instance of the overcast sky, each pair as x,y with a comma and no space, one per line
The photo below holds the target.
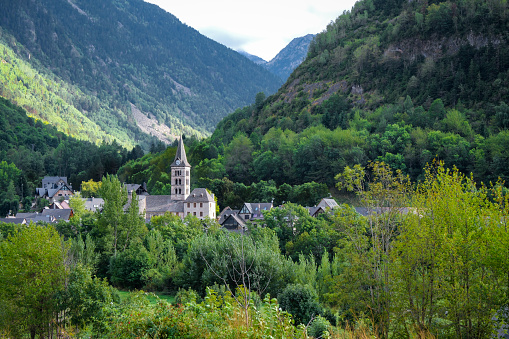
262,27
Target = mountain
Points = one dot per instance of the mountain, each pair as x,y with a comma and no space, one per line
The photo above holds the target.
253,58
126,67
283,64
290,57
404,82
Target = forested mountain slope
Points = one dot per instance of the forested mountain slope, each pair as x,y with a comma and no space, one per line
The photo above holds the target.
118,57
30,149
397,81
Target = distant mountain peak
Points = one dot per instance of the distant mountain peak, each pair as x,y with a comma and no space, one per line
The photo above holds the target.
257,60
287,60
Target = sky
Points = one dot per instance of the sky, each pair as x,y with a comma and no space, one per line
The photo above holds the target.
262,27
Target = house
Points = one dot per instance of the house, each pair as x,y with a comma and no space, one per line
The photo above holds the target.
234,222
54,188
327,203
253,211
14,220
315,211
225,213
59,205
182,201
138,189
93,204
54,215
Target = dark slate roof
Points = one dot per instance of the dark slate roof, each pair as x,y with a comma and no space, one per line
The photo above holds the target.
132,187
313,211
162,203
42,218
257,207
138,189
180,155
26,215
240,223
64,214
13,220
200,195
53,180
225,213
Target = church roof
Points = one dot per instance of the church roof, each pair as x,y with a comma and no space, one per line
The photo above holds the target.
200,195
181,155
163,203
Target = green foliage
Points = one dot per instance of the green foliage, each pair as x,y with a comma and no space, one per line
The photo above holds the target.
33,270
86,299
301,301
224,258
443,257
319,328
214,317
38,149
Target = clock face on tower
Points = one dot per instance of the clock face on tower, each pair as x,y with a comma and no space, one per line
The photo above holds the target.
177,162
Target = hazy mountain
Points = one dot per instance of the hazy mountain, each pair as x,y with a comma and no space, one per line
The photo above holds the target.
290,57
119,61
287,59
253,58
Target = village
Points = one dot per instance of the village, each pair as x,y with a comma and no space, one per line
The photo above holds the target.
182,202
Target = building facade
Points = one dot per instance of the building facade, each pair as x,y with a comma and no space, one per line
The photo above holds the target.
182,201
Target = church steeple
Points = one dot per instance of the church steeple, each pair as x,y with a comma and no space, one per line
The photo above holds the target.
180,156
180,174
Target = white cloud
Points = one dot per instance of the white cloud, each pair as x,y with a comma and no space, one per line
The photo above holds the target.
261,27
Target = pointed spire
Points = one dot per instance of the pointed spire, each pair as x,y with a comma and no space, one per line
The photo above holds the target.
180,156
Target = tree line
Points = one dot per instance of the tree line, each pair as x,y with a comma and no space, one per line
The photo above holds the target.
426,259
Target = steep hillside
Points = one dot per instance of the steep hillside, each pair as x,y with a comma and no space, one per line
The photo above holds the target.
37,149
396,81
129,56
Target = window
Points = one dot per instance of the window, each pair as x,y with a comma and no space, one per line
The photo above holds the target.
194,213
201,214
180,191
246,216
194,205
201,204
188,205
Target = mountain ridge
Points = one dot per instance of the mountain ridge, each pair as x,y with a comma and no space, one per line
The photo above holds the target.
131,52
287,59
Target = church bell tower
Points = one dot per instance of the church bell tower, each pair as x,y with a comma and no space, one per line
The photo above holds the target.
180,174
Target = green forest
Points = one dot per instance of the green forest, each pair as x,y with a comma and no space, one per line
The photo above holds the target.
83,65
437,269
400,109
31,149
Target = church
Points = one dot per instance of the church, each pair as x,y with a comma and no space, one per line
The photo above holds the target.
182,201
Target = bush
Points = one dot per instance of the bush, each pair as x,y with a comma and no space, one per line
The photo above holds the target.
301,301
319,328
